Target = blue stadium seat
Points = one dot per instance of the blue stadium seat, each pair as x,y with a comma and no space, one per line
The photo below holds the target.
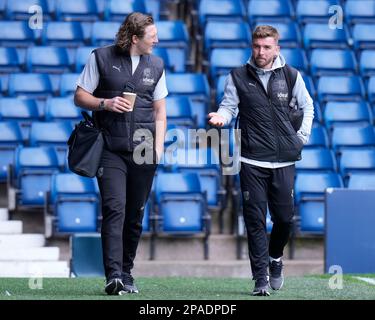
72,205
173,36
347,112
311,186
62,109
318,35
314,11
22,111
277,10
55,134
363,36
318,137
9,61
295,57
182,193
195,86
206,163
290,36
86,255
311,217
29,85
179,112
367,63
340,88
68,84
328,62
117,10
309,85
223,60
360,11
2,8
319,159
16,34
181,207
146,221
63,34
362,181
359,136
318,117
226,35
371,90
19,9
82,56
47,60
309,196
10,139
32,175
221,10
168,65
220,88
76,10
357,161
104,32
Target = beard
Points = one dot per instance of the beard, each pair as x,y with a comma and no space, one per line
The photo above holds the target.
261,62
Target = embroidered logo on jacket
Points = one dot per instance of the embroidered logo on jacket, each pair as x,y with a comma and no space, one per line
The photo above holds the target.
117,68
147,77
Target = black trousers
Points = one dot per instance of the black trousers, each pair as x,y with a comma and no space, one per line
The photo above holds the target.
124,188
260,186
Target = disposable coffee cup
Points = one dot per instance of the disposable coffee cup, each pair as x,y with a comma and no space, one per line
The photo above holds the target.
131,97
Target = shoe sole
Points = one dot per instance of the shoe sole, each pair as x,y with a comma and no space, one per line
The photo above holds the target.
114,287
261,293
123,292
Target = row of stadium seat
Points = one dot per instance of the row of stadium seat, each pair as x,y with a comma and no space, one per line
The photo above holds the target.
304,11
174,34
318,62
53,59
180,111
34,188
90,10
40,85
78,10
75,34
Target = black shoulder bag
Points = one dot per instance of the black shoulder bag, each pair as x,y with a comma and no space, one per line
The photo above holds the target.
85,147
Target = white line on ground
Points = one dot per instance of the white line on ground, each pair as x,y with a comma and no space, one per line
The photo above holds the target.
7,293
368,280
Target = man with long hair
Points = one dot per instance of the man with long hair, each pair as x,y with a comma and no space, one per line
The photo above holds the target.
263,92
124,181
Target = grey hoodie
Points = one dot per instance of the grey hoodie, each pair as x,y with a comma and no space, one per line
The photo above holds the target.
229,106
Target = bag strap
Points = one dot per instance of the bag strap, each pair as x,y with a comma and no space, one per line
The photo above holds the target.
291,78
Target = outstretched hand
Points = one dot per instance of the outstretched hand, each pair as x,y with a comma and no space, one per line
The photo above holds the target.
216,119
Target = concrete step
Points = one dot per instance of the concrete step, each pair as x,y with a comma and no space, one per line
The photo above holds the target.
11,227
4,214
235,268
34,269
31,240
30,254
221,247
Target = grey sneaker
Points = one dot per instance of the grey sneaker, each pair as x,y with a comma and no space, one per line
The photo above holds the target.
114,286
261,287
276,275
129,286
